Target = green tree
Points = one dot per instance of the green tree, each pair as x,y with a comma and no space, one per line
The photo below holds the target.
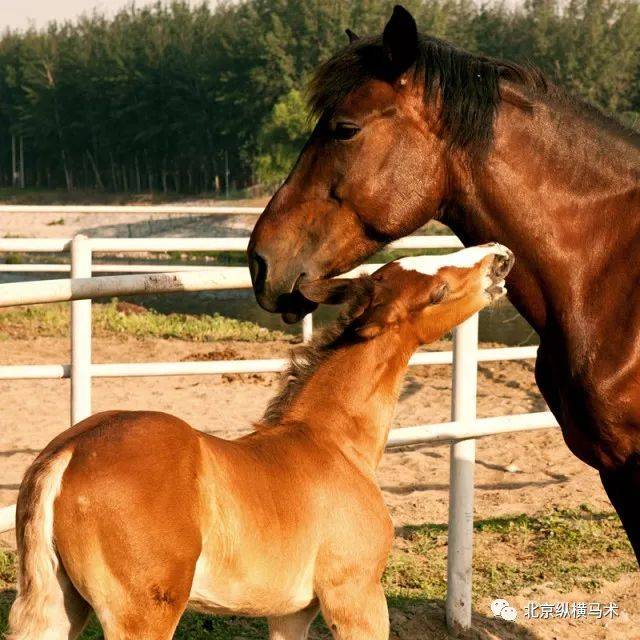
282,137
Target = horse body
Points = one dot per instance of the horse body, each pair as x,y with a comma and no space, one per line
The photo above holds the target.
569,204
138,516
411,128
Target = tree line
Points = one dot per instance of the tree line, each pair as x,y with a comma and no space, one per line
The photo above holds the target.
178,98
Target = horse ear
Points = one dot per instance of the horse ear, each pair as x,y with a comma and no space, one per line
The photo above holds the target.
400,39
352,36
380,316
509,93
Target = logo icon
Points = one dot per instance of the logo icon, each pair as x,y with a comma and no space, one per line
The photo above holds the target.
501,608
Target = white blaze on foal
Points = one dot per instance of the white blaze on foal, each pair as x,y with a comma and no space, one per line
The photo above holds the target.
464,259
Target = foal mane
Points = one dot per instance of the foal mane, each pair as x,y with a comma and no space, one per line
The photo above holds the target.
306,359
468,84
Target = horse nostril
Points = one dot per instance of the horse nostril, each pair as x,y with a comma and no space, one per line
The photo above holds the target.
258,270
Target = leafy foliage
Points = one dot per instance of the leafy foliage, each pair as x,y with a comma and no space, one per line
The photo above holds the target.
157,96
282,137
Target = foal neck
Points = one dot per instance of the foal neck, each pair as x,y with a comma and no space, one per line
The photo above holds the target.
350,396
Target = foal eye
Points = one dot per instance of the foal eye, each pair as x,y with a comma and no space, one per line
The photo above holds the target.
345,131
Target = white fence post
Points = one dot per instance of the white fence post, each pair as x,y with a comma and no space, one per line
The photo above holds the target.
463,410
80,334
307,327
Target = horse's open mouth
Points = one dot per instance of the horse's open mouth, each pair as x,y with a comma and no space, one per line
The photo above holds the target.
501,266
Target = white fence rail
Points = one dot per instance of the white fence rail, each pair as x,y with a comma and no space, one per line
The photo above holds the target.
460,432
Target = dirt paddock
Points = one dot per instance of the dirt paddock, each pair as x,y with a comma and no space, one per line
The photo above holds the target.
526,473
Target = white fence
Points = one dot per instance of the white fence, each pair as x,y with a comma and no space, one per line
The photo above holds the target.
460,432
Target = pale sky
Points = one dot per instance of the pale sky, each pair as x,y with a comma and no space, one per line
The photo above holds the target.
20,14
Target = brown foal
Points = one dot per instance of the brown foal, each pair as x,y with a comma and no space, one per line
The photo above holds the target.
137,515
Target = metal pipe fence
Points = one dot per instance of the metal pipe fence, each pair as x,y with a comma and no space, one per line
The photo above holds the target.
461,432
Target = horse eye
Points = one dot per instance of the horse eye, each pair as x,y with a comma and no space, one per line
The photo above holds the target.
345,131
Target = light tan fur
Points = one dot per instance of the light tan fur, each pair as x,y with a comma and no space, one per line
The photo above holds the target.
153,516
44,607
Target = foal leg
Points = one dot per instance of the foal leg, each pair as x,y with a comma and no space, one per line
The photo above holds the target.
147,607
354,611
150,619
294,626
623,487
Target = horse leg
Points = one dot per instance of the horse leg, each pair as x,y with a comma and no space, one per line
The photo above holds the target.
623,487
145,605
354,611
294,626
152,618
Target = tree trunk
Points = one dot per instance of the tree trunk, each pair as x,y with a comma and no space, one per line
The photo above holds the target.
68,175
114,177
138,179
96,171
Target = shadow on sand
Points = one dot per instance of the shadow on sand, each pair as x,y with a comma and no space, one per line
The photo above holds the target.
183,226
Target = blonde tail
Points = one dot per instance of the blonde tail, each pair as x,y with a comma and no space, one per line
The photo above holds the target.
38,612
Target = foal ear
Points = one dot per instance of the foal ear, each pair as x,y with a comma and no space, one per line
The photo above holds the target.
380,316
385,309
352,36
400,39
331,291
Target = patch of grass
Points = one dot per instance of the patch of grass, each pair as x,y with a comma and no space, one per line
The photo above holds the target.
564,549
7,568
14,258
53,320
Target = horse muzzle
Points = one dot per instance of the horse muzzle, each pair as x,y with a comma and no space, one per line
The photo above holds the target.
277,291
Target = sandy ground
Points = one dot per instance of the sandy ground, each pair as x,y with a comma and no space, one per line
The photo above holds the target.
414,480
133,224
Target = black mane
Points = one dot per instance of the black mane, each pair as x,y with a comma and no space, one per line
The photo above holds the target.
468,84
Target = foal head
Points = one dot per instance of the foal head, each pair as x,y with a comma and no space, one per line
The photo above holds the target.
395,112
421,296
418,299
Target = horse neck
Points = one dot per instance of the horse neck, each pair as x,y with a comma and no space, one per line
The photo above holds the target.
350,398
563,192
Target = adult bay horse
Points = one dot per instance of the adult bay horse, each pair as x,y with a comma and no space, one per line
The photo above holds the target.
136,515
411,128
